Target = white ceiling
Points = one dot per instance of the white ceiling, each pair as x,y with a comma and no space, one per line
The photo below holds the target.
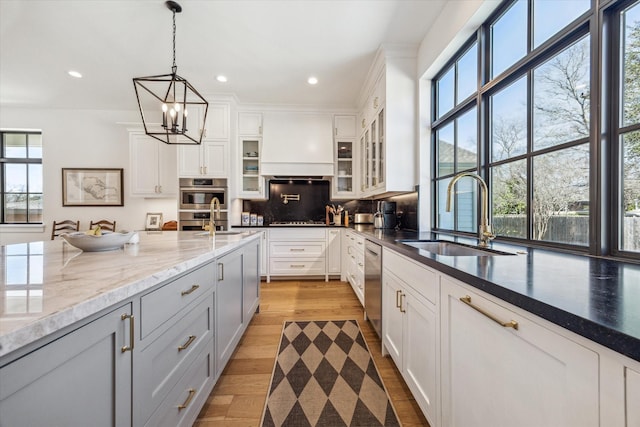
266,48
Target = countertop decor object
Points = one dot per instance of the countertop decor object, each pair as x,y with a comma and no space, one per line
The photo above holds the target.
108,241
167,100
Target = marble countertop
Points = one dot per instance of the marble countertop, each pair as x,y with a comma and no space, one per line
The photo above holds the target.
46,286
596,298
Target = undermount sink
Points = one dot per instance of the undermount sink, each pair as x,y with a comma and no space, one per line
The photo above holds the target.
219,233
442,247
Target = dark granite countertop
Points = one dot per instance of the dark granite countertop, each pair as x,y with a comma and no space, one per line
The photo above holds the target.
596,298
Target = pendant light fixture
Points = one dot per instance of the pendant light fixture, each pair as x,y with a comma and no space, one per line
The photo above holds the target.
170,107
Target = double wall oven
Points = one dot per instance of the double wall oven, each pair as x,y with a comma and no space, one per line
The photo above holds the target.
196,195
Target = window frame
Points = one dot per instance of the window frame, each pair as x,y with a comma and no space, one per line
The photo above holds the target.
601,25
22,161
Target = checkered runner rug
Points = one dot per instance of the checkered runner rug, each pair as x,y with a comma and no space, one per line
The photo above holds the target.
324,375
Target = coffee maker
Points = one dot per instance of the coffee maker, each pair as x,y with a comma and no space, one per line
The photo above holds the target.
385,216
388,210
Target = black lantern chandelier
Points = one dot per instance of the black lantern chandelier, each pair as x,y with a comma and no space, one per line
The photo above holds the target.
169,105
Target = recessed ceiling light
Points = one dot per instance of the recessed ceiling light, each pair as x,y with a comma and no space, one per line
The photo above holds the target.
75,74
221,78
312,80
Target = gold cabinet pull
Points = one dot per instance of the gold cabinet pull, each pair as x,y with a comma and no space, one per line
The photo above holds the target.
187,292
510,324
187,344
398,298
132,329
296,265
402,310
192,392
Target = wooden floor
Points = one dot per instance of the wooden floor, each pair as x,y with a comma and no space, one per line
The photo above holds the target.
239,395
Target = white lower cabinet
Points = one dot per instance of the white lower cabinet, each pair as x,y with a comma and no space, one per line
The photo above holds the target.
80,379
410,329
297,252
632,397
496,376
333,251
353,262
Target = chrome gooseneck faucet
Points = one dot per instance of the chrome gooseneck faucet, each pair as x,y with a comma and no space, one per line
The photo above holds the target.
485,232
214,208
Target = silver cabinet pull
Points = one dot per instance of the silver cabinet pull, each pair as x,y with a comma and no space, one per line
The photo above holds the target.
187,344
296,265
187,292
220,271
296,249
510,324
132,329
398,292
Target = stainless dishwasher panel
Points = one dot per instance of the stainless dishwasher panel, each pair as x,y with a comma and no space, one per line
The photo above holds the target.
373,285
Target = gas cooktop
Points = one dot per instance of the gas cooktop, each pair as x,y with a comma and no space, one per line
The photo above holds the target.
297,224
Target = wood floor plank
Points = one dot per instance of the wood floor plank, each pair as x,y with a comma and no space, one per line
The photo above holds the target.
238,398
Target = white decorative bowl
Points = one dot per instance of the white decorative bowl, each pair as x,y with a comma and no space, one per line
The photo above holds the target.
107,242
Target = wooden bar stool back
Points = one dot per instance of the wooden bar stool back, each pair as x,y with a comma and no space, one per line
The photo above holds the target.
66,226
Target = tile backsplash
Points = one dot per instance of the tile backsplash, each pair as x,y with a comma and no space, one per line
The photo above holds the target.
314,195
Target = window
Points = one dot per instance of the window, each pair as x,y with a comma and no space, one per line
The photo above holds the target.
628,129
529,130
21,177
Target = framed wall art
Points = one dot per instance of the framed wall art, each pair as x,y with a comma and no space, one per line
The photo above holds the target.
153,222
92,187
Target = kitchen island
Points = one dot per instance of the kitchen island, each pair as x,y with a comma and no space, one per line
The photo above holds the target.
85,335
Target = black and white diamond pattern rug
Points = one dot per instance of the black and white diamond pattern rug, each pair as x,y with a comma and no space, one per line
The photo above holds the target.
324,375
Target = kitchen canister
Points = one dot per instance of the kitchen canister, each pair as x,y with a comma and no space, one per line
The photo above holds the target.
245,219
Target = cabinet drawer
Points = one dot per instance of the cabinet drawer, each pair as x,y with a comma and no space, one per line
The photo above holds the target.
158,306
299,233
164,361
297,249
182,405
419,277
296,266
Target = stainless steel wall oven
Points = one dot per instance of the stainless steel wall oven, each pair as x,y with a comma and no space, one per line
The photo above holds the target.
197,193
196,220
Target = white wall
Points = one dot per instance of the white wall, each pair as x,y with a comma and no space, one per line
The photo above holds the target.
456,23
82,139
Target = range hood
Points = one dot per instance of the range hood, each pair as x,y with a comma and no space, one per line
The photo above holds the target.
297,144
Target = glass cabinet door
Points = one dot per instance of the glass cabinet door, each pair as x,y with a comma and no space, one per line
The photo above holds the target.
381,147
344,166
251,179
374,154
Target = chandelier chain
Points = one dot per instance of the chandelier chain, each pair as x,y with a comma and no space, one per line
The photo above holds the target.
174,67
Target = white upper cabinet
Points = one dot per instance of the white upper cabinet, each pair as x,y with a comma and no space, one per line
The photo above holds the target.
387,126
217,123
345,126
210,159
153,167
344,181
249,124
